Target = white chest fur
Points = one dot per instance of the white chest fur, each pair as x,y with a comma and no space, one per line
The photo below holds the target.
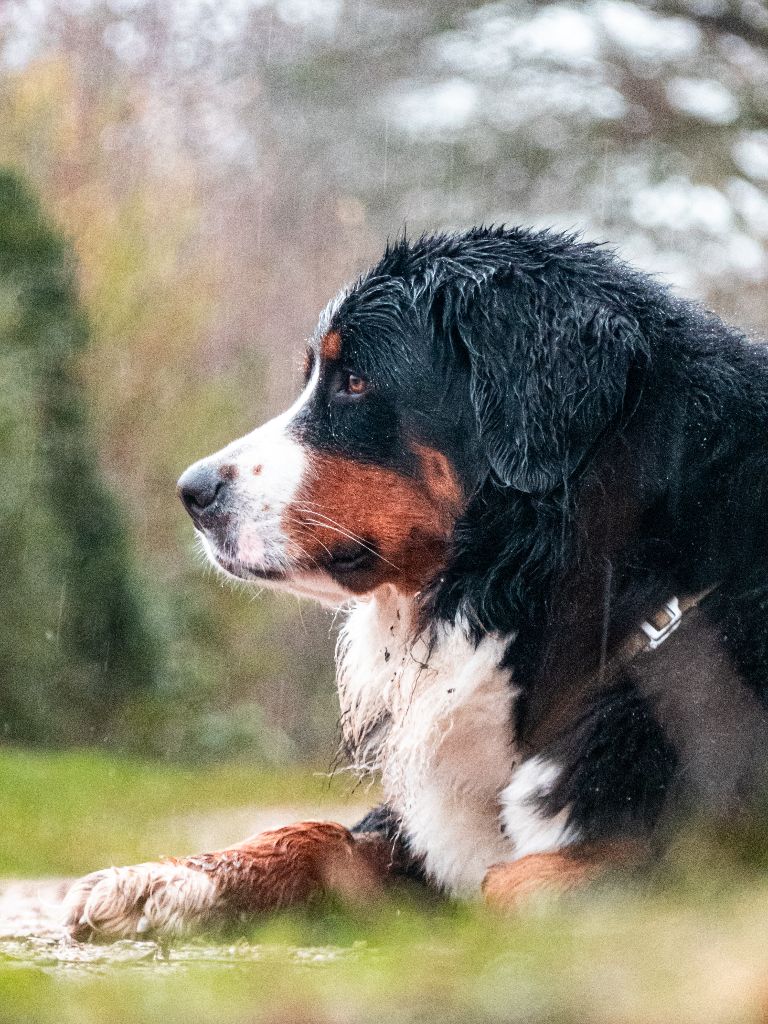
437,724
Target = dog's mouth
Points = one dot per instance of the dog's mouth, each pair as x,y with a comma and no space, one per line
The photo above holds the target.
349,559
343,562
242,570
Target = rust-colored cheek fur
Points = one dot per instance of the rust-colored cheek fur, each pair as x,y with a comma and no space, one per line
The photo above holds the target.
407,520
289,866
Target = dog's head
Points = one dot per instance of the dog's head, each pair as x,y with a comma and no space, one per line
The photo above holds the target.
455,361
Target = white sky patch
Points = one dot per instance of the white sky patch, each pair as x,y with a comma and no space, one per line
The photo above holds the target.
559,97
125,41
711,217
21,24
310,12
485,52
703,98
495,41
751,203
647,34
557,32
736,254
116,6
224,134
680,205
750,153
747,256
444,106
668,265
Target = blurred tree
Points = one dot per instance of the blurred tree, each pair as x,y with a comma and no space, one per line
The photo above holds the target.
182,313
74,641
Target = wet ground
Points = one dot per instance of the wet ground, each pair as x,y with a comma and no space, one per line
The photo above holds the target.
30,911
31,934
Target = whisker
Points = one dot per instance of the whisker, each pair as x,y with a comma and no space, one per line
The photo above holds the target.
333,522
351,536
302,522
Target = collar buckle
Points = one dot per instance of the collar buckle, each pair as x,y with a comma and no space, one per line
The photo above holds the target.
658,636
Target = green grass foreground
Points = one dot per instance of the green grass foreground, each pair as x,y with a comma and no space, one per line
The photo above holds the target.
690,946
69,813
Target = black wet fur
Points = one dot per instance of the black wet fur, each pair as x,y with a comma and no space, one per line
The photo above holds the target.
613,439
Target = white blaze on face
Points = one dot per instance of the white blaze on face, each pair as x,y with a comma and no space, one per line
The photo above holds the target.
264,471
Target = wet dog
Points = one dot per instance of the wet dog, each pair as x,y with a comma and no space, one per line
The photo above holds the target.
537,480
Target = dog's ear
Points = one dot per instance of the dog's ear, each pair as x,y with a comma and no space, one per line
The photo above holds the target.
546,377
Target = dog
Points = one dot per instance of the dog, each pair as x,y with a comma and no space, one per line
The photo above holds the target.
537,480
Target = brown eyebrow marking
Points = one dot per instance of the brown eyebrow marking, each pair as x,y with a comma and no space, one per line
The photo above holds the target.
330,346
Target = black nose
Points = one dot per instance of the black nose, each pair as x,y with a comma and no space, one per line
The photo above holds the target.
199,487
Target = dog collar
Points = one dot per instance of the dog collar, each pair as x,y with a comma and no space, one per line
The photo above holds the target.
652,633
647,636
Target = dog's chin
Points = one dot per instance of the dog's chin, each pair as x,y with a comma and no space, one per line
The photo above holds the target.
317,585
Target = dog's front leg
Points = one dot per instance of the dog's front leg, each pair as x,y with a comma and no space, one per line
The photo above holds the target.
281,868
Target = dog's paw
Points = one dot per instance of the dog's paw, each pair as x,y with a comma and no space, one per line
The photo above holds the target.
142,901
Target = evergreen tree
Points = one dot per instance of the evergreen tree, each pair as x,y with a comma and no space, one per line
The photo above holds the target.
74,638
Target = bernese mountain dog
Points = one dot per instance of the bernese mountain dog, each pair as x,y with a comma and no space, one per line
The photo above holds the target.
536,480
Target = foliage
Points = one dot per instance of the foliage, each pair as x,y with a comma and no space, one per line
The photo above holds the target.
75,639
66,813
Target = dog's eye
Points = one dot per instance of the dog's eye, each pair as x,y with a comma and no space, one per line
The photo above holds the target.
351,385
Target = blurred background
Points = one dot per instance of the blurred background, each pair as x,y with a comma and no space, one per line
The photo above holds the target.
186,183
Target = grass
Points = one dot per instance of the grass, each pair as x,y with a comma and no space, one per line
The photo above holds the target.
68,813
614,959
690,946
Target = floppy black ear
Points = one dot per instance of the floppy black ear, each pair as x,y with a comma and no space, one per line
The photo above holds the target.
547,376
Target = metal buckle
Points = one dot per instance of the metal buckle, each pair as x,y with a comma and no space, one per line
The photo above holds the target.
658,636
